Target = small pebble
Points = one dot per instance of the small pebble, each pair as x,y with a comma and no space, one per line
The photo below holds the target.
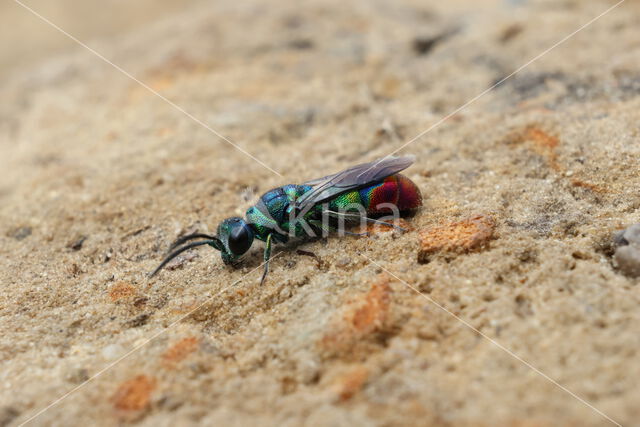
7,415
78,376
138,321
627,254
20,233
112,351
424,45
344,261
286,293
76,244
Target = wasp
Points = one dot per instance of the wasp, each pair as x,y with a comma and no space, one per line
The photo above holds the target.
306,210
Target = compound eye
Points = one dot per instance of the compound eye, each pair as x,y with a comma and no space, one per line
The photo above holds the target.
240,240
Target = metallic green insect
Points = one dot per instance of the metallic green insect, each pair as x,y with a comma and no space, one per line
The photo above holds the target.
369,189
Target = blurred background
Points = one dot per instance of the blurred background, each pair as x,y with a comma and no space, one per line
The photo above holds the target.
25,39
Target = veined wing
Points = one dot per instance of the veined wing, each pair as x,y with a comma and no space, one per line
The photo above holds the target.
351,179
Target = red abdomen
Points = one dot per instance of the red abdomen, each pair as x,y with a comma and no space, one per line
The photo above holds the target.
396,189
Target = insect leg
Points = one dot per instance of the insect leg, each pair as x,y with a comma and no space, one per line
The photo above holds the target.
267,255
327,229
349,233
371,220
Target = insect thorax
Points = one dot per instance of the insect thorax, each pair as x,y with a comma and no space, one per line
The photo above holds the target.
272,213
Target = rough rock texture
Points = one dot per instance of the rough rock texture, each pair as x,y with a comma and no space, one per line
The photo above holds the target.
100,175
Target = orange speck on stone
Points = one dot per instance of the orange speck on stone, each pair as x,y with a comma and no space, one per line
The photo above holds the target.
388,87
541,138
371,310
165,132
541,142
121,290
161,82
185,308
134,394
545,145
360,319
459,236
350,383
589,186
179,351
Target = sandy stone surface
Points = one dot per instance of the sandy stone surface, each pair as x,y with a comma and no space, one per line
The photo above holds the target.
100,176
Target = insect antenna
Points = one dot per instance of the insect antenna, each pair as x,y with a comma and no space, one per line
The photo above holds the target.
188,237
177,252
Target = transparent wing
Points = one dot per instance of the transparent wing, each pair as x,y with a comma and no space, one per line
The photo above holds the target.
350,179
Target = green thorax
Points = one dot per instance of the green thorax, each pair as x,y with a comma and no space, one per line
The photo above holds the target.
272,213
